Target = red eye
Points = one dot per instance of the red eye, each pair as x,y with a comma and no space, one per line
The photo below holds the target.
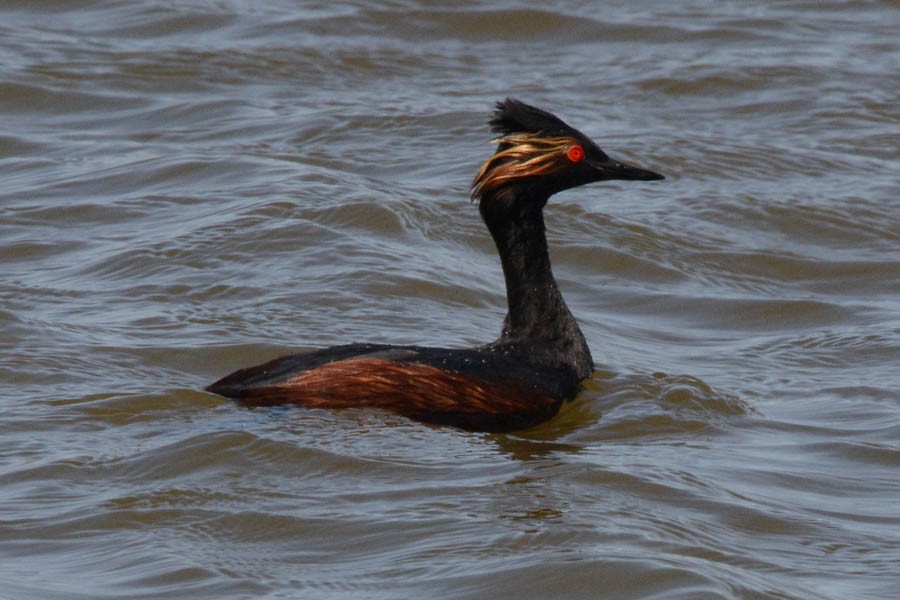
575,153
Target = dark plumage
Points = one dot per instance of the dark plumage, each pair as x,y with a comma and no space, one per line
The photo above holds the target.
541,355
513,117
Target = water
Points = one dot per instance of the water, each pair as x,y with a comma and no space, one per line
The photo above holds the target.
201,186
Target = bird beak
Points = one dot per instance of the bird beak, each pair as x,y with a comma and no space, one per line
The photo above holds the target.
613,169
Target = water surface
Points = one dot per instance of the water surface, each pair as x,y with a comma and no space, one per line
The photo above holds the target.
197,187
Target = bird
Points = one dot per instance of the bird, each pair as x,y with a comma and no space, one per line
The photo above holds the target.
540,358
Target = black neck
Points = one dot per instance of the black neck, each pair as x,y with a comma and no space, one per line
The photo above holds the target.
538,318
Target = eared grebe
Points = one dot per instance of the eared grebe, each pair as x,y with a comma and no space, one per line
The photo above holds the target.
541,356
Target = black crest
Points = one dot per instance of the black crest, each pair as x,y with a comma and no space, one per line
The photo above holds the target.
513,116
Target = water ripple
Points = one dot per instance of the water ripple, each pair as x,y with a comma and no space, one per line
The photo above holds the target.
190,189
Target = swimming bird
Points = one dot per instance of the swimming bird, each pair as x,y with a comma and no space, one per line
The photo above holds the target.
541,356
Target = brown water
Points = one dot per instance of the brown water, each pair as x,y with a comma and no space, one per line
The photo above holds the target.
193,187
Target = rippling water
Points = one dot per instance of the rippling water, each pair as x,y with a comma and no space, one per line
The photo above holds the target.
193,187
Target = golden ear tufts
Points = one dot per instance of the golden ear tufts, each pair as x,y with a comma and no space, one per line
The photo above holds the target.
527,155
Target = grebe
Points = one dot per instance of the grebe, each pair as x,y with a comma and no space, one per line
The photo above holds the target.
541,356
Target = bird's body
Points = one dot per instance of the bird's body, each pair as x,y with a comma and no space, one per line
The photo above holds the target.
541,356
488,389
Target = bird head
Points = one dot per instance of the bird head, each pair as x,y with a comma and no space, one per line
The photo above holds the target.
539,155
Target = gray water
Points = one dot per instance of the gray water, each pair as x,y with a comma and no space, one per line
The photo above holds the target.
194,187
